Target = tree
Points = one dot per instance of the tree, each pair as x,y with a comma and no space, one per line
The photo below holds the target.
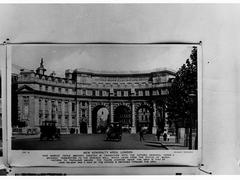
182,98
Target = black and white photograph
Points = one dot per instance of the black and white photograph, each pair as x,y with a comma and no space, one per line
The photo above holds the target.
105,97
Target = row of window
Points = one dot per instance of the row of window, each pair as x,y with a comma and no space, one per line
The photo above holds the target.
143,115
48,78
118,79
159,78
58,116
55,89
104,93
56,106
123,93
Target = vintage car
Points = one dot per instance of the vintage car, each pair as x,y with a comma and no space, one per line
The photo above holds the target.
49,131
114,132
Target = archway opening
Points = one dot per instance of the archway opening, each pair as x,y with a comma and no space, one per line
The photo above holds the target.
144,119
160,119
122,114
100,119
83,127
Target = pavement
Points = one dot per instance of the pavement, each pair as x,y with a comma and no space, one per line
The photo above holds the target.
93,142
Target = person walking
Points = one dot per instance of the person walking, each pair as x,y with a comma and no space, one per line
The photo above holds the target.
168,136
165,135
158,133
141,132
108,132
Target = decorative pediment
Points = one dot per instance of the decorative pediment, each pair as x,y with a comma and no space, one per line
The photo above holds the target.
49,78
25,88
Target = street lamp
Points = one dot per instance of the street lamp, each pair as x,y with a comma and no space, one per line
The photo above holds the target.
192,95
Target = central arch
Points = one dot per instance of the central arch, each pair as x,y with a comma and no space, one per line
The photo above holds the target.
122,114
100,119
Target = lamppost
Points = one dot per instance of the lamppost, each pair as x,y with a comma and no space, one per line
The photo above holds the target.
192,96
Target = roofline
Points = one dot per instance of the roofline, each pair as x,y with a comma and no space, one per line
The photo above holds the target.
108,73
123,73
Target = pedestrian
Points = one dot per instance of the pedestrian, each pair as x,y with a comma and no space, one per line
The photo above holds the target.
141,134
158,133
168,136
165,135
108,132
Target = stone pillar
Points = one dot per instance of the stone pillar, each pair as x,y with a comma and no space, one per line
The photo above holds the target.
20,107
166,120
43,110
77,114
133,129
31,111
111,112
63,114
154,128
70,114
56,112
89,130
50,109
36,111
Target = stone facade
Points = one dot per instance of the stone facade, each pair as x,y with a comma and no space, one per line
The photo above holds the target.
136,99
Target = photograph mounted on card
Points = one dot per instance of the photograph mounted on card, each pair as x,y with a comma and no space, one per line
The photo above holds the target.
2,107
105,105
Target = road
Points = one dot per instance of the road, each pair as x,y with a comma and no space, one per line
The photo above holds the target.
87,142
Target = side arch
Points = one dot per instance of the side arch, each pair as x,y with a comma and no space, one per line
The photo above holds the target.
100,119
144,118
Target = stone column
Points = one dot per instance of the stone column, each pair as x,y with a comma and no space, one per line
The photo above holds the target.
36,111
56,112
63,114
77,114
43,110
154,128
133,129
31,111
111,113
166,120
89,118
70,114
20,105
50,109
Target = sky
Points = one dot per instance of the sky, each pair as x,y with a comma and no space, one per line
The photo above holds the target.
108,57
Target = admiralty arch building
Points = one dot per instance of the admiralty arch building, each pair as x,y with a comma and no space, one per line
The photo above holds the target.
86,101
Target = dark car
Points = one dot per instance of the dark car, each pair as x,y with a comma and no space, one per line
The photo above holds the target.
114,132
49,130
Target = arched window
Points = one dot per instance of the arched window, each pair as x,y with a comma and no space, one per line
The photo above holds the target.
144,114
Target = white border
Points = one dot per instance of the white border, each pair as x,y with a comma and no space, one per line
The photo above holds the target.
3,60
2,93
8,100
200,97
118,1
19,158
